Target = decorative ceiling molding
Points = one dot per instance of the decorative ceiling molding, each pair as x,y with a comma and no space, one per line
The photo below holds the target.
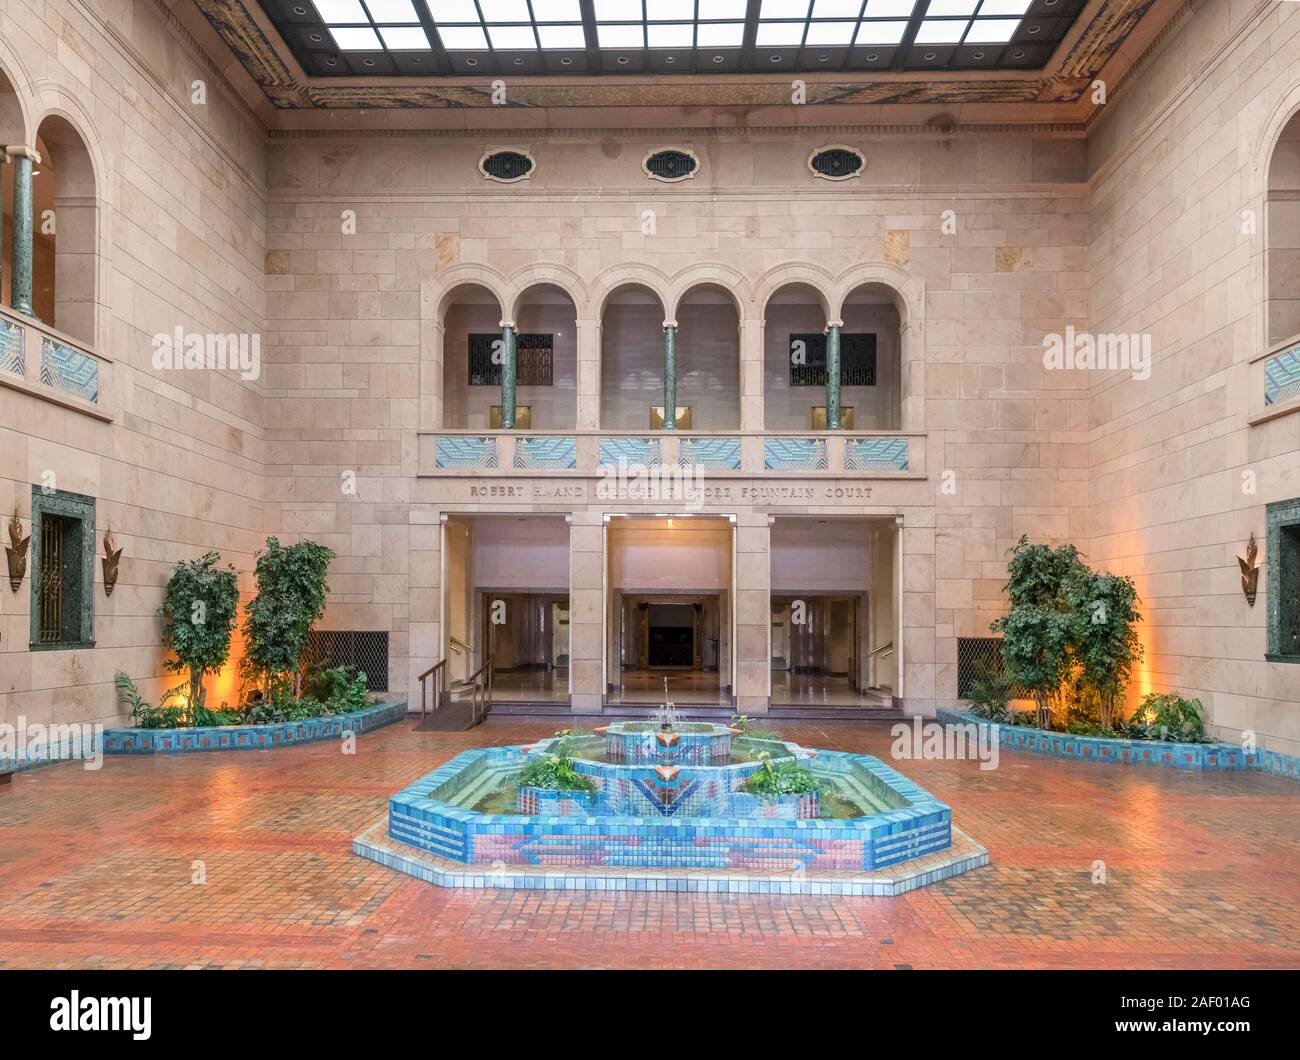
271,65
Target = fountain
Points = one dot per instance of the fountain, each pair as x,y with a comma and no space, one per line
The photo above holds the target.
661,801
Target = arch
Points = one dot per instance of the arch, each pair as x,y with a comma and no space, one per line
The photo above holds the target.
819,280
68,283
907,290
15,107
543,274
710,274
908,296
444,287
1277,179
627,275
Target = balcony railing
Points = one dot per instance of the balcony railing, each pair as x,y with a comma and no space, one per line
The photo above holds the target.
852,454
41,361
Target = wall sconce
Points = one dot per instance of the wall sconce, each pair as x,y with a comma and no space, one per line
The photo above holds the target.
17,555
1249,571
111,558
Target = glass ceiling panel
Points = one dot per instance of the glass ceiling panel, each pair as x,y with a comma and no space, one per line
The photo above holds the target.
617,28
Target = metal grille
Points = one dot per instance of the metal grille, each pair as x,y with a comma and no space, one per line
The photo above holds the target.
53,579
367,650
857,359
836,162
534,359
12,340
670,165
971,652
507,165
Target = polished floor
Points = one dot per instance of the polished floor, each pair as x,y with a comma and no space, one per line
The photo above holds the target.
814,690
1092,866
531,686
646,687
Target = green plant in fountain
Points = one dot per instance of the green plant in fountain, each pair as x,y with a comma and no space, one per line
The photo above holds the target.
1168,716
198,611
786,777
554,772
750,730
290,597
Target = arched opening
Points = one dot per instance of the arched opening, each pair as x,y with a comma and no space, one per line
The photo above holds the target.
471,380
1282,235
12,131
546,348
708,358
871,357
64,226
794,389
631,358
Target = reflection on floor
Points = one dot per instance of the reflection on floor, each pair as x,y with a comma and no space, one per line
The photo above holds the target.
531,686
817,690
685,686
95,870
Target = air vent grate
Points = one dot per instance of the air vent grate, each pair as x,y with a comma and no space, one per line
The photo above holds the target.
836,163
506,166
671,165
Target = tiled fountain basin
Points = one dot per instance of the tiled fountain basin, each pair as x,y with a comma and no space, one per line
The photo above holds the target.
696,743
422,816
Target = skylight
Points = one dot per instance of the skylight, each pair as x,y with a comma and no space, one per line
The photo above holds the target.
657,32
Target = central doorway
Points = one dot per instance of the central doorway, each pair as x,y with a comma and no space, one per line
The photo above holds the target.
669,610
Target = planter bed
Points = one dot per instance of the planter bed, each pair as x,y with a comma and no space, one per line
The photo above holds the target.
250,737
1199,756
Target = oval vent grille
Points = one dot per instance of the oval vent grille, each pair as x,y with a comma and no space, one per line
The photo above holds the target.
836,163
671,165
506,166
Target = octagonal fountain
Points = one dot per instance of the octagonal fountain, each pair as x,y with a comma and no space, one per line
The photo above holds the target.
661,805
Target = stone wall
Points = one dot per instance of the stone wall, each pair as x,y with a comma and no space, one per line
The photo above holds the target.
1179,475
171,234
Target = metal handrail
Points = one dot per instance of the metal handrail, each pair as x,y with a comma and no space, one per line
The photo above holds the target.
459,646
484,691
886,648
438,671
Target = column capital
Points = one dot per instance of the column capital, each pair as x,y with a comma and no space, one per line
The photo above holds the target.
22,151
669,324
507,324
832,324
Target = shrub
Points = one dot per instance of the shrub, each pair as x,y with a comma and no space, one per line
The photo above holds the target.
1168,716
990,692
343,688
146,715
784,778
555,773
199,611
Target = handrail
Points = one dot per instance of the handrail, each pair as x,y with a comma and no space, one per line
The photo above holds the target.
459,646
485,690
883,648
438,671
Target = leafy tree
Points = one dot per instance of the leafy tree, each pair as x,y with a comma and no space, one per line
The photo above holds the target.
1106,643
1036,645
1039,575
290,598
199,611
